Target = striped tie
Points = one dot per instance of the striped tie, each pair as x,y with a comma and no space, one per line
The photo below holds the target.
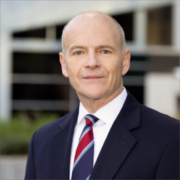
83,161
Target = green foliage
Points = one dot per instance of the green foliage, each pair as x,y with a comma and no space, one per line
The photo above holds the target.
16,133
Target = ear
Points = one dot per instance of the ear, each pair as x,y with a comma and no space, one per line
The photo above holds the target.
126,62
63,64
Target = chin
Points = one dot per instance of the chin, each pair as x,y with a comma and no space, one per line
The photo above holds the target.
94,95
91,92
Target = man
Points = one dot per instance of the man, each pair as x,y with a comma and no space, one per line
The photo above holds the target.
121,138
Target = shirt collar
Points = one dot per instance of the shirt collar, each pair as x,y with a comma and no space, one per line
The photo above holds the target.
107,113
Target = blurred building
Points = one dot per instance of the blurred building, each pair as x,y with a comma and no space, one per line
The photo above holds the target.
31,79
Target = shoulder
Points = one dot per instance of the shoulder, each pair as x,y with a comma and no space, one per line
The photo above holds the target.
48,130
153,125
159,125
158,118
147,118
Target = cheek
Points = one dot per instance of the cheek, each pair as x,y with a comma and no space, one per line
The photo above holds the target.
115,79
73,70
114,69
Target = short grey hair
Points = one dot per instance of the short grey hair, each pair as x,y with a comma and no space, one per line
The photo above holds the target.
121,31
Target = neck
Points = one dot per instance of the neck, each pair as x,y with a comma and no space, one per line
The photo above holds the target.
93,105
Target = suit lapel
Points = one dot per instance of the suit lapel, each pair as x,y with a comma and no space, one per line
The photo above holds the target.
60,149
119,142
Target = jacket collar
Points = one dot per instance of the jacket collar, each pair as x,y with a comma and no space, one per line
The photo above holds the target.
131,112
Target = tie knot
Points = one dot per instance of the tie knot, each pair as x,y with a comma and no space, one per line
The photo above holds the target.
90,119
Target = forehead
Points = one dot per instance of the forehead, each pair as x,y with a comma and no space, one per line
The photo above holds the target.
91,29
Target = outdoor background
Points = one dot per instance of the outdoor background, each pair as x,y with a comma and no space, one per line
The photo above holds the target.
33,91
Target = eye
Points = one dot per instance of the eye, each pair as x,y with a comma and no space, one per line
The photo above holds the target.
105,51
78,53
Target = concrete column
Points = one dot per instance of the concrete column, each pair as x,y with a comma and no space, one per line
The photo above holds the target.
176,25
161,92
140,28
5,76
51,33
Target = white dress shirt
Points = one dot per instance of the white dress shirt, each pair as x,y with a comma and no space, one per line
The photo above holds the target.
106,115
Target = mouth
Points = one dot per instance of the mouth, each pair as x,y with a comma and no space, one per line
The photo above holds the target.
93,77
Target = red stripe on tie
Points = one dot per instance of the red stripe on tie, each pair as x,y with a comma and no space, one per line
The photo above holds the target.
87,138
88,121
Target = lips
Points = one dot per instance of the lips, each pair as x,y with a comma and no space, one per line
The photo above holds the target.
93,77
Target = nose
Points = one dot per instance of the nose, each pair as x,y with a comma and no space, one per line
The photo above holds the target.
91,61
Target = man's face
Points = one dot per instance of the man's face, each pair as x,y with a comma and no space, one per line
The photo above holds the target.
93,58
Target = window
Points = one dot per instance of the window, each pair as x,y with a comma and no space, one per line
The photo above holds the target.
159,26
127,23
38,84
59,29
36,63
31,33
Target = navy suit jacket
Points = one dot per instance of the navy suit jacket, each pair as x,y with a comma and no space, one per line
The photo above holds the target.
142,144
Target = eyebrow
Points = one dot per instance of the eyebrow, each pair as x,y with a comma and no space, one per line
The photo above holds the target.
106,46
76,47
98,47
